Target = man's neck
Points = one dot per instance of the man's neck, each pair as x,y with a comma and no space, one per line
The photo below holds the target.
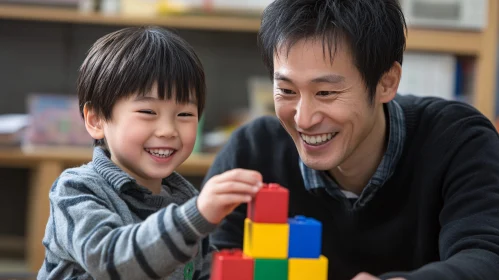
354,173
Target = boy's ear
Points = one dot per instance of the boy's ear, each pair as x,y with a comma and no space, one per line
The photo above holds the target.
389,83
93,122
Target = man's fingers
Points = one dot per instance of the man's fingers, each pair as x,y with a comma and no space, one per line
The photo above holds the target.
241,175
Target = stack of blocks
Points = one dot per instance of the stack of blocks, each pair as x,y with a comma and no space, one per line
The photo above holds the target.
275,247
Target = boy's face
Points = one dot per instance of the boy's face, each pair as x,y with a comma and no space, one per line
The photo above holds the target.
324,106
148,137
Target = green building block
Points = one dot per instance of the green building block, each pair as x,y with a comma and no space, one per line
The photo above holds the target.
271,269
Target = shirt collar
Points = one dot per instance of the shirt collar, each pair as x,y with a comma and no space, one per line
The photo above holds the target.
115,176
122,181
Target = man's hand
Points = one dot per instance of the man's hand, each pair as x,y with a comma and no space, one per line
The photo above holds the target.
367,276
224,192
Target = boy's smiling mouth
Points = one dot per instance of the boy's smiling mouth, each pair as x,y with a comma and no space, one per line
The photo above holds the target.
160,152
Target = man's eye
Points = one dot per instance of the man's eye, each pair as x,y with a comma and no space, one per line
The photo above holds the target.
149,112
286,91
326,93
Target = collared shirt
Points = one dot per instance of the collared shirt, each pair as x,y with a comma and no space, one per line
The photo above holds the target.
314,179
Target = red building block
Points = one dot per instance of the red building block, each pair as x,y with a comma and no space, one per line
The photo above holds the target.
232,264
270,205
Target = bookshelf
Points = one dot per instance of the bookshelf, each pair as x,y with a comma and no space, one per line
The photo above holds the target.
46,166
480,45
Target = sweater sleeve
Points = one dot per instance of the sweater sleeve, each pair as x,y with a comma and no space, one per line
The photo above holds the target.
95,237
469,236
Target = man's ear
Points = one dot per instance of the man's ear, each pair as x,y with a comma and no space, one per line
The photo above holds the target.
389,83
93,122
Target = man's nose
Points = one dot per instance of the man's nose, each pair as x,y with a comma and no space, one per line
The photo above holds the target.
307,114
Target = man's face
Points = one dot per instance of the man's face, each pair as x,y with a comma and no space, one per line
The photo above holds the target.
323,105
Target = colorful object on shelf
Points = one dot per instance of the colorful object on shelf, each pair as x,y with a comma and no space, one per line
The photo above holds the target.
274,247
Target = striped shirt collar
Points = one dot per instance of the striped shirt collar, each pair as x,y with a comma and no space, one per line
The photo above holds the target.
314,179
122,181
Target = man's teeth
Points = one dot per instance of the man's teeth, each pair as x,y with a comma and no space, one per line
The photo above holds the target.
160,152
318,139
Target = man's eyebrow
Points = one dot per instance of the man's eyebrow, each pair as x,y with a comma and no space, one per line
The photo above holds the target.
331,79
280,77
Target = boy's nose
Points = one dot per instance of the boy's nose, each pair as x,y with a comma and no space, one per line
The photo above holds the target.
166,131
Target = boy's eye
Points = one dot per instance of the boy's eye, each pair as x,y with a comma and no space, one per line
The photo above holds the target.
185,115
150,112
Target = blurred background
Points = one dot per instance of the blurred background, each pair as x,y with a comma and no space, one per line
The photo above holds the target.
451,52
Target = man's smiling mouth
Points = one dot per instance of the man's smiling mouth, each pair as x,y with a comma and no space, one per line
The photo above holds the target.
319,139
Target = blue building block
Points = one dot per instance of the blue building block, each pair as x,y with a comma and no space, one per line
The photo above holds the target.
305,237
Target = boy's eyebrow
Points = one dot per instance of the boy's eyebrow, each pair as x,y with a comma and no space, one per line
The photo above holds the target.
145,98
150,98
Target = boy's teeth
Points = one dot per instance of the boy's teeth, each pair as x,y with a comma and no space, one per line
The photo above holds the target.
317,139
160,152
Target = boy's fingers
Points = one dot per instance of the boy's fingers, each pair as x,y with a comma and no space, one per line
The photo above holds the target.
231,199
242,175
233,187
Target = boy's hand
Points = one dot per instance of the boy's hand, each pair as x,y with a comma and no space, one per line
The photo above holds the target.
224,192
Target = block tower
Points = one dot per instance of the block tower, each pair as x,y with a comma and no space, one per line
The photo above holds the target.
275,247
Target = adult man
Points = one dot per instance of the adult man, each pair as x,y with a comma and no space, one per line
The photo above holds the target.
405,187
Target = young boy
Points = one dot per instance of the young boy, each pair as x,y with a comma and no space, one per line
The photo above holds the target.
127,214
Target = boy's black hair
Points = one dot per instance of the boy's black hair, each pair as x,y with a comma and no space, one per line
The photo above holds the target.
131,61
373,29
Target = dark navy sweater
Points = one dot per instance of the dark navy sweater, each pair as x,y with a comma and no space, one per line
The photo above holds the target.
437,217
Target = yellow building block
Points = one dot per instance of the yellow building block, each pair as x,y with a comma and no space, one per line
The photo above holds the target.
265,240
316,269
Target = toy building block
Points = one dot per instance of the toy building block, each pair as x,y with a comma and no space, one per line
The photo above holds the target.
230,264
270,205
305,237
271,269
266,241
316,269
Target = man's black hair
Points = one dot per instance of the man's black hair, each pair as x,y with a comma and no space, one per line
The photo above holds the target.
374,30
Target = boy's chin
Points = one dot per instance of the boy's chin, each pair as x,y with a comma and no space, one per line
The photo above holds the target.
159,175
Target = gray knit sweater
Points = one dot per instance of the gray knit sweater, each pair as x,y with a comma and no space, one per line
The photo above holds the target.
103,225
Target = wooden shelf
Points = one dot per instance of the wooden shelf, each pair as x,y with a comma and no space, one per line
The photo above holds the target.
418,39
196,164
12,243
456,42
206,22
